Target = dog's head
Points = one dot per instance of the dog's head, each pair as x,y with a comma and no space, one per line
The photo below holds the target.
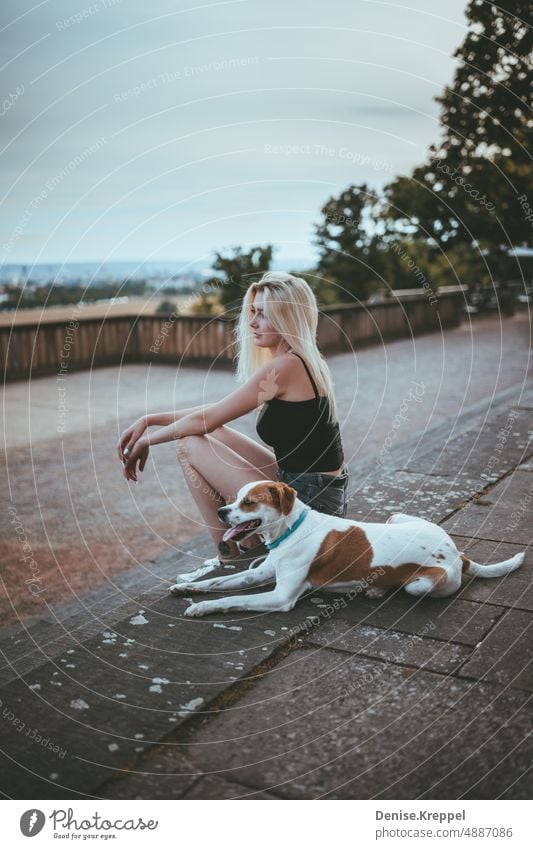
259,506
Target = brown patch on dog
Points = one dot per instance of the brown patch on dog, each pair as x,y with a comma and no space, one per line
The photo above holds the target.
280,494
465,561
342,556
347,556
441,556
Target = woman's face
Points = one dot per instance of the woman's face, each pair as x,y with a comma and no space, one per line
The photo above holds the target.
264,334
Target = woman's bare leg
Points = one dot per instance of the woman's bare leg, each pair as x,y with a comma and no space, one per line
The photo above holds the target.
256,454
214,473
251,452
207,499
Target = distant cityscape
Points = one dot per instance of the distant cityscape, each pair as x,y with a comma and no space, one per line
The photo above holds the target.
120,285
156,274
107,288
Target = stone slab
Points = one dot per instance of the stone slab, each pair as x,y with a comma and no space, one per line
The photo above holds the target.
217,788
486,452
512,591
446,619
162,782
326,724
506,655
392,646
423,495
505,513
153,779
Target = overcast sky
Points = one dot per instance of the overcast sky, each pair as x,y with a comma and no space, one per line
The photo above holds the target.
168,129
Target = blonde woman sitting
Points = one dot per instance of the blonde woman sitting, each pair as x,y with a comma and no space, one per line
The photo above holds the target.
285,379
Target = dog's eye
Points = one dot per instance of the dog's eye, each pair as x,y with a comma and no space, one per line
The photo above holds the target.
247,501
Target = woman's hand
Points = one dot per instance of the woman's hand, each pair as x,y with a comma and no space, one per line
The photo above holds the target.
137,454
129,437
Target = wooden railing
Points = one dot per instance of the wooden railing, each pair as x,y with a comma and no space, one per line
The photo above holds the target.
49,347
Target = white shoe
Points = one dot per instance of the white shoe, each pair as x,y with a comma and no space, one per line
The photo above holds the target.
209,566
213,562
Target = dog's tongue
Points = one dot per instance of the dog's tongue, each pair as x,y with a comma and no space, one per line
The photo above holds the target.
231,532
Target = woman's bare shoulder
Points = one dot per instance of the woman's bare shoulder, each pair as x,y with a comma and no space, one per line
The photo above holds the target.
289,364
282,371
292,378
284,361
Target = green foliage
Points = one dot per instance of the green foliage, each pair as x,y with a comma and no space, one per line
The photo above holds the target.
205,304
346,248
469,189
237,271
167,307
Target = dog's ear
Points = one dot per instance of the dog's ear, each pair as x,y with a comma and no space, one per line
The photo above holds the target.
283,497
287,498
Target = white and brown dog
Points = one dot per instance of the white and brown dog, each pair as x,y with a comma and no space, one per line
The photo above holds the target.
308,550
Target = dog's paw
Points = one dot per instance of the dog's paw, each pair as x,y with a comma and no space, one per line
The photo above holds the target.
199,609
375,592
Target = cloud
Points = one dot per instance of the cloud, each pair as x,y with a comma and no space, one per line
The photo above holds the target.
188,103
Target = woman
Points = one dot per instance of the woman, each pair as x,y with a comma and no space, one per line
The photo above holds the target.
285,375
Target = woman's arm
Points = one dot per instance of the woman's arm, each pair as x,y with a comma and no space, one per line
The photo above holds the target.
266,383
137,440
193,423
133,433
163,419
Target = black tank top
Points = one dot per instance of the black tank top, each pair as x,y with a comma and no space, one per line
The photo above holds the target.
299,433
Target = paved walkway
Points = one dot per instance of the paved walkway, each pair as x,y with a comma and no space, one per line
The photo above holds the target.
118,696
86,524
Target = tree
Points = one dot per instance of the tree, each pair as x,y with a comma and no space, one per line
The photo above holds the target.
237,272
167,307
344,241
476,184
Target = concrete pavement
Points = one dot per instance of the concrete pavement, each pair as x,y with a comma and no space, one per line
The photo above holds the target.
116,695
107,691
86,525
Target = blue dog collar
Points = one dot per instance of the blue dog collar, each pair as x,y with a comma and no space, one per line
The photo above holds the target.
290,530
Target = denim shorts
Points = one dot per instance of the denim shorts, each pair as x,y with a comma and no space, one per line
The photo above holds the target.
325,493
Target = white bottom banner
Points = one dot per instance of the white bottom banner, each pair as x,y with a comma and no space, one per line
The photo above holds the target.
354,823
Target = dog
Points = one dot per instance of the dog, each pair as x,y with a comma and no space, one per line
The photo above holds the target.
310,550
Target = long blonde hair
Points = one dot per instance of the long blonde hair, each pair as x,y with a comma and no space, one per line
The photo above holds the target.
290,307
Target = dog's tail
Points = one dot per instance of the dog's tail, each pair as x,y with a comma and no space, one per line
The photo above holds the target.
494,570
